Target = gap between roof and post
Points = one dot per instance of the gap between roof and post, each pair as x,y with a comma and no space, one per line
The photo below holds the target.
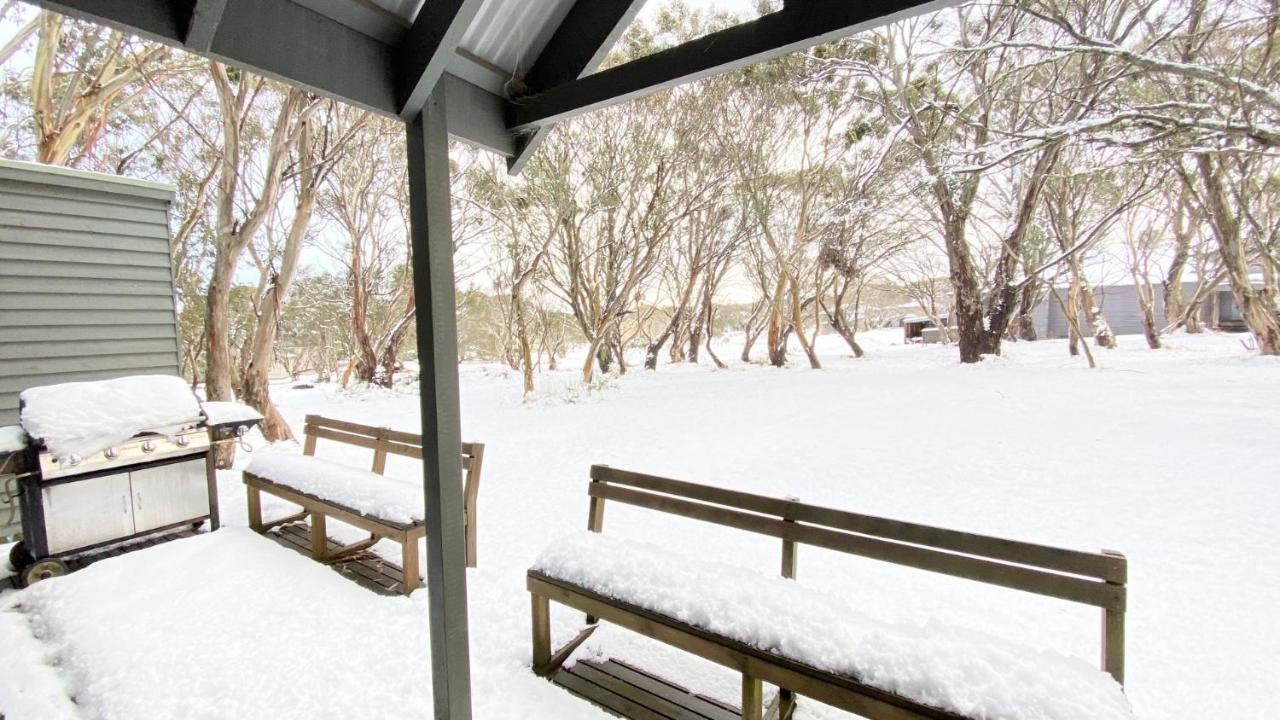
430,232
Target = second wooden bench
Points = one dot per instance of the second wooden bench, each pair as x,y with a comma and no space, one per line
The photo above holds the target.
386,508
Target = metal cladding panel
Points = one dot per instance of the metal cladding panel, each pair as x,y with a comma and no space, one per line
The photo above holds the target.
86,287
510,34
1119,305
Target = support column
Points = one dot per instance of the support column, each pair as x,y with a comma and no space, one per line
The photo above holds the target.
431,235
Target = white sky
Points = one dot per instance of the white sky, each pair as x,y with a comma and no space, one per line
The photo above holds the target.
737,7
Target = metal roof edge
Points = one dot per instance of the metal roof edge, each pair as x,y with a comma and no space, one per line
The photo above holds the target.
34,172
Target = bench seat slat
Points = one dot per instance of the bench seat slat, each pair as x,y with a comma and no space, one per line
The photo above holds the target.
389,500
934,671
844,693
311,502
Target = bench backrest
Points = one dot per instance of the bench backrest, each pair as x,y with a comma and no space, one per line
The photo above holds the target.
385,441
1091,578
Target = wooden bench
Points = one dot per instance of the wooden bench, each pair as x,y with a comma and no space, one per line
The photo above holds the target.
315,506
1088,578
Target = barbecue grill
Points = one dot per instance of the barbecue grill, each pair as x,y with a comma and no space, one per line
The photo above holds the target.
159,479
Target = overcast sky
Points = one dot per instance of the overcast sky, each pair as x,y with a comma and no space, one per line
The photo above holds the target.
738,7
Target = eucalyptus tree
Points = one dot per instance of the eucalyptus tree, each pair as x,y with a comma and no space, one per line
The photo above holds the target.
786,121
522,218
968,90
1200,84
628,201
260,123
323,137
363,198
83,76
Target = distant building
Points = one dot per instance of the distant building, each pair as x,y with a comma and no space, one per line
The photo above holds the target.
922,328
1119,305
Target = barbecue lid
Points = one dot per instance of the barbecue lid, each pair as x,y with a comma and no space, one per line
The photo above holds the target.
83,418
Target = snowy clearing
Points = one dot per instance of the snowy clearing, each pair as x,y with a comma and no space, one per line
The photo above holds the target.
1167,456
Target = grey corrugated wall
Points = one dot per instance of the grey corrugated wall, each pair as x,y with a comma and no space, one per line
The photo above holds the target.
86,285
1119,304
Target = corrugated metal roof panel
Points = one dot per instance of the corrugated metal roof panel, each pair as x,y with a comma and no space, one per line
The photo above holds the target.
505,37
510,34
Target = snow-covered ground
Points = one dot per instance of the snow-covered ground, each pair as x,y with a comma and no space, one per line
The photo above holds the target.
1169,457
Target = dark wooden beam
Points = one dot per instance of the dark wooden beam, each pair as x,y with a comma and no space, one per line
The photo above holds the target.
430,233
475,116
304,48
274,38
159,20
427,49
798,26
579,45
206,15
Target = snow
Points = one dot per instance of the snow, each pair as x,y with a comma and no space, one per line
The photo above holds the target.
367,493
972,673
33,689
224,413
12,438
1167,456
82,418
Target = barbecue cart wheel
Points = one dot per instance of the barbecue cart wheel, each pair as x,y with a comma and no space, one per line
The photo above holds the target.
20,557
43,570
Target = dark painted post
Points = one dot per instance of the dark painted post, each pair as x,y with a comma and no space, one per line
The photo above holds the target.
431,235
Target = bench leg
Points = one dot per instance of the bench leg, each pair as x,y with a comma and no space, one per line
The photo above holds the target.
786,704
752,698
319,537
255,508
541,632
471,541
409,563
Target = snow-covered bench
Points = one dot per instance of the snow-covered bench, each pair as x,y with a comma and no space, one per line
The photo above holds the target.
385,507
777,631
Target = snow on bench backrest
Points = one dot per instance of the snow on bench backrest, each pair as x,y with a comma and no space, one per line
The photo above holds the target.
1096,579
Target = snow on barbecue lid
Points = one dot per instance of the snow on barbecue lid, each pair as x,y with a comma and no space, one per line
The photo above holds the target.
12,439
82,418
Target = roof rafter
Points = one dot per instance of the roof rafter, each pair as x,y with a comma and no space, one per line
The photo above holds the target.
577,48
262,36
274,38
203,24
427,49
801,24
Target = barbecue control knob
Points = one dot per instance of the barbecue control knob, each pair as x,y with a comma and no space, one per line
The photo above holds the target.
111,453
182,441
73,460
148,446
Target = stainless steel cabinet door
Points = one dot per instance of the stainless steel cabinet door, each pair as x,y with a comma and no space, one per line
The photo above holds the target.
169,494
87,512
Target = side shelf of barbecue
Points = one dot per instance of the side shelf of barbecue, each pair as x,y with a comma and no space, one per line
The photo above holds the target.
229,421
